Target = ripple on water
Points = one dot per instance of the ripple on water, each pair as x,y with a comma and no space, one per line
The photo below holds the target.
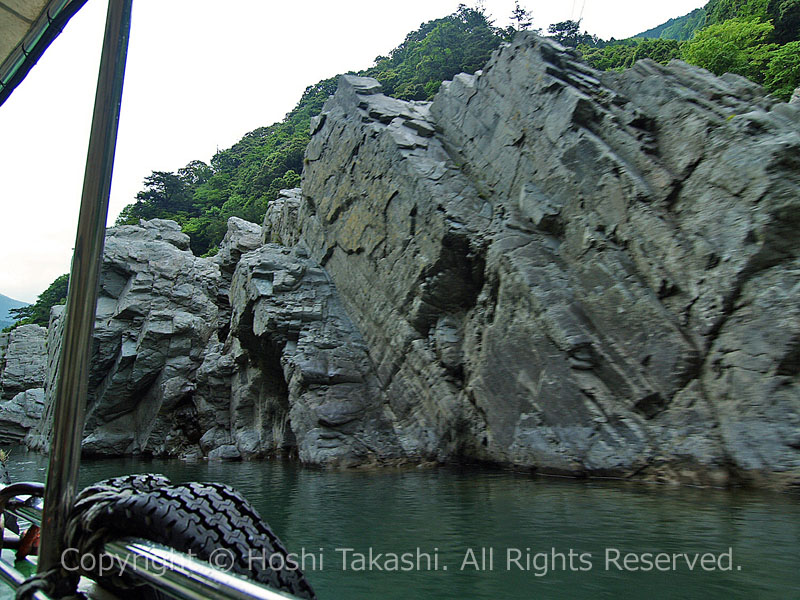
447,512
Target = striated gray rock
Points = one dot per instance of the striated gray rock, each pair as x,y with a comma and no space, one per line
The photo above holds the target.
656,236
39,434
243,355
20,414
156,311
23,357
22,360
282,220
547,268
242,237
3,349
309,375
398,227
569,271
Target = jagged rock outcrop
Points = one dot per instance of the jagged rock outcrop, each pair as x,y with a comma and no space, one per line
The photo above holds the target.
308,362
570,271
20,414
282,222
23,357
156,310
22,360
547,267
245,354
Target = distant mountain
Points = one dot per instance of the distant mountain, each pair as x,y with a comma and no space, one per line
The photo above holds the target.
6,304
679,28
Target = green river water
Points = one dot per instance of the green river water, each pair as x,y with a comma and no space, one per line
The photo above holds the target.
548,538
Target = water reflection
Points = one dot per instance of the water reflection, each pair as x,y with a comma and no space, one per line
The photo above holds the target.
455,514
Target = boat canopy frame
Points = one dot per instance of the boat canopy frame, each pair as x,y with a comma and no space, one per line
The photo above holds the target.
26,36
176,574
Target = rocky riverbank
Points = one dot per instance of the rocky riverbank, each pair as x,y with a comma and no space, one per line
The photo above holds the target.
546,267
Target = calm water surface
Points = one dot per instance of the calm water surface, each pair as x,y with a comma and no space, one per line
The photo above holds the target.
456,516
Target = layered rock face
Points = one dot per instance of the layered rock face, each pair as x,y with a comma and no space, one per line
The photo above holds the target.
245,354
23,357
568,271
547,268
308,360
157,308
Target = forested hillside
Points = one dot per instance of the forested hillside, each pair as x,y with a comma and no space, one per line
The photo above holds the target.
6,305
759,39
680,28
243,179
38,313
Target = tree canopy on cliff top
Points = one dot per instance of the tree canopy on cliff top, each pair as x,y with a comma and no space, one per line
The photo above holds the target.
242,180
38,313
756,38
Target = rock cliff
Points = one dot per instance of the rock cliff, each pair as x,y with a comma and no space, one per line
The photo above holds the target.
569,271
546,267
23,361
246,354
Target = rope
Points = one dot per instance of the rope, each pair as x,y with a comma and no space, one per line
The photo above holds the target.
83,533
56,583
83,530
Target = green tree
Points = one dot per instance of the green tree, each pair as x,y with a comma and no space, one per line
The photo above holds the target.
623,54
38,313
195,173
787,22
660,50
617,55
680,28
736,36
438,50
782,75
166,196
566,32
719,11
734,46
569,34
783,14
521,16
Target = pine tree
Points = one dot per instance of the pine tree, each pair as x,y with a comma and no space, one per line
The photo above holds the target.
522,16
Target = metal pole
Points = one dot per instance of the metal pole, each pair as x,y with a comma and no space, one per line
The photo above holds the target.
9,575
185,577
76,347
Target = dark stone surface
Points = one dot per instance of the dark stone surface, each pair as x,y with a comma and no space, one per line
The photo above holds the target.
547,267
561,272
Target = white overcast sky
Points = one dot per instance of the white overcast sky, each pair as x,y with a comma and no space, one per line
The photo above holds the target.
200,74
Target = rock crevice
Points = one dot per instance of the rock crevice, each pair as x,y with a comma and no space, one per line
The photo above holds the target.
590,244
546,267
